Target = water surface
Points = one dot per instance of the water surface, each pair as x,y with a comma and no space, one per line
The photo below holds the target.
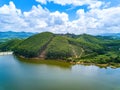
54,75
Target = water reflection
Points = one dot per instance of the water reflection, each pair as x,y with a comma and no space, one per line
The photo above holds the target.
57,63
26,74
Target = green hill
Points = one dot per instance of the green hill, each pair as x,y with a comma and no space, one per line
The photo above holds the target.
82,48
87,43
34,45
91,42
48,45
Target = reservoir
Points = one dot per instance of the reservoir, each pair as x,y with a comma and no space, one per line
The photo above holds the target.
19,74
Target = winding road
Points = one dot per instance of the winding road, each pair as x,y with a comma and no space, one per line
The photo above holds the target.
75,53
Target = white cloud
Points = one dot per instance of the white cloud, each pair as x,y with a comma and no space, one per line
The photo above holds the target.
11,9
98,21
57,18
96,4
11,18
39,19
71,2
105,20
35,20
42,1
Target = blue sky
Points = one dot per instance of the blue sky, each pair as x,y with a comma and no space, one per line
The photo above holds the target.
60,16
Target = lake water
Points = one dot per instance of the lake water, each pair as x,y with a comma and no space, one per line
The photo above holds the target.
54,75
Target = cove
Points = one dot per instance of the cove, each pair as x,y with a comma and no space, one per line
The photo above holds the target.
18,74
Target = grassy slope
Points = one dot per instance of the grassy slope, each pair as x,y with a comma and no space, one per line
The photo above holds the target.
34,45
87,44
90,42
59,48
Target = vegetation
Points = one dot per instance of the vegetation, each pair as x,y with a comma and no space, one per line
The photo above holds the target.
34,45
74,48
59,48
10,45
90,42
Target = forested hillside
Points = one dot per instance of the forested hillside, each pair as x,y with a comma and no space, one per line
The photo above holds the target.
76,48
34,45
59,48
10,45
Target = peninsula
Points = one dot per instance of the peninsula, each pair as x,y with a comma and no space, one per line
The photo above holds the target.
82,48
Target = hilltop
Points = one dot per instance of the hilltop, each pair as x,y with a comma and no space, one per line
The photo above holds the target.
76,48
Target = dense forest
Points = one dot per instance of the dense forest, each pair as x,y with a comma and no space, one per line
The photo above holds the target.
82,48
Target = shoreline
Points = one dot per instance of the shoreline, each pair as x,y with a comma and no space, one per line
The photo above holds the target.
114,65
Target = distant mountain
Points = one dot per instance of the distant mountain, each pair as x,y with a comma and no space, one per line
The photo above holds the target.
11,34
112,35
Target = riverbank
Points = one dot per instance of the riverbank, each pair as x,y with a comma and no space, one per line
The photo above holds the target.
112,65
37,59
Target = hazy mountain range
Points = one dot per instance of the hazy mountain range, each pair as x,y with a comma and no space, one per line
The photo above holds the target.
11,34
